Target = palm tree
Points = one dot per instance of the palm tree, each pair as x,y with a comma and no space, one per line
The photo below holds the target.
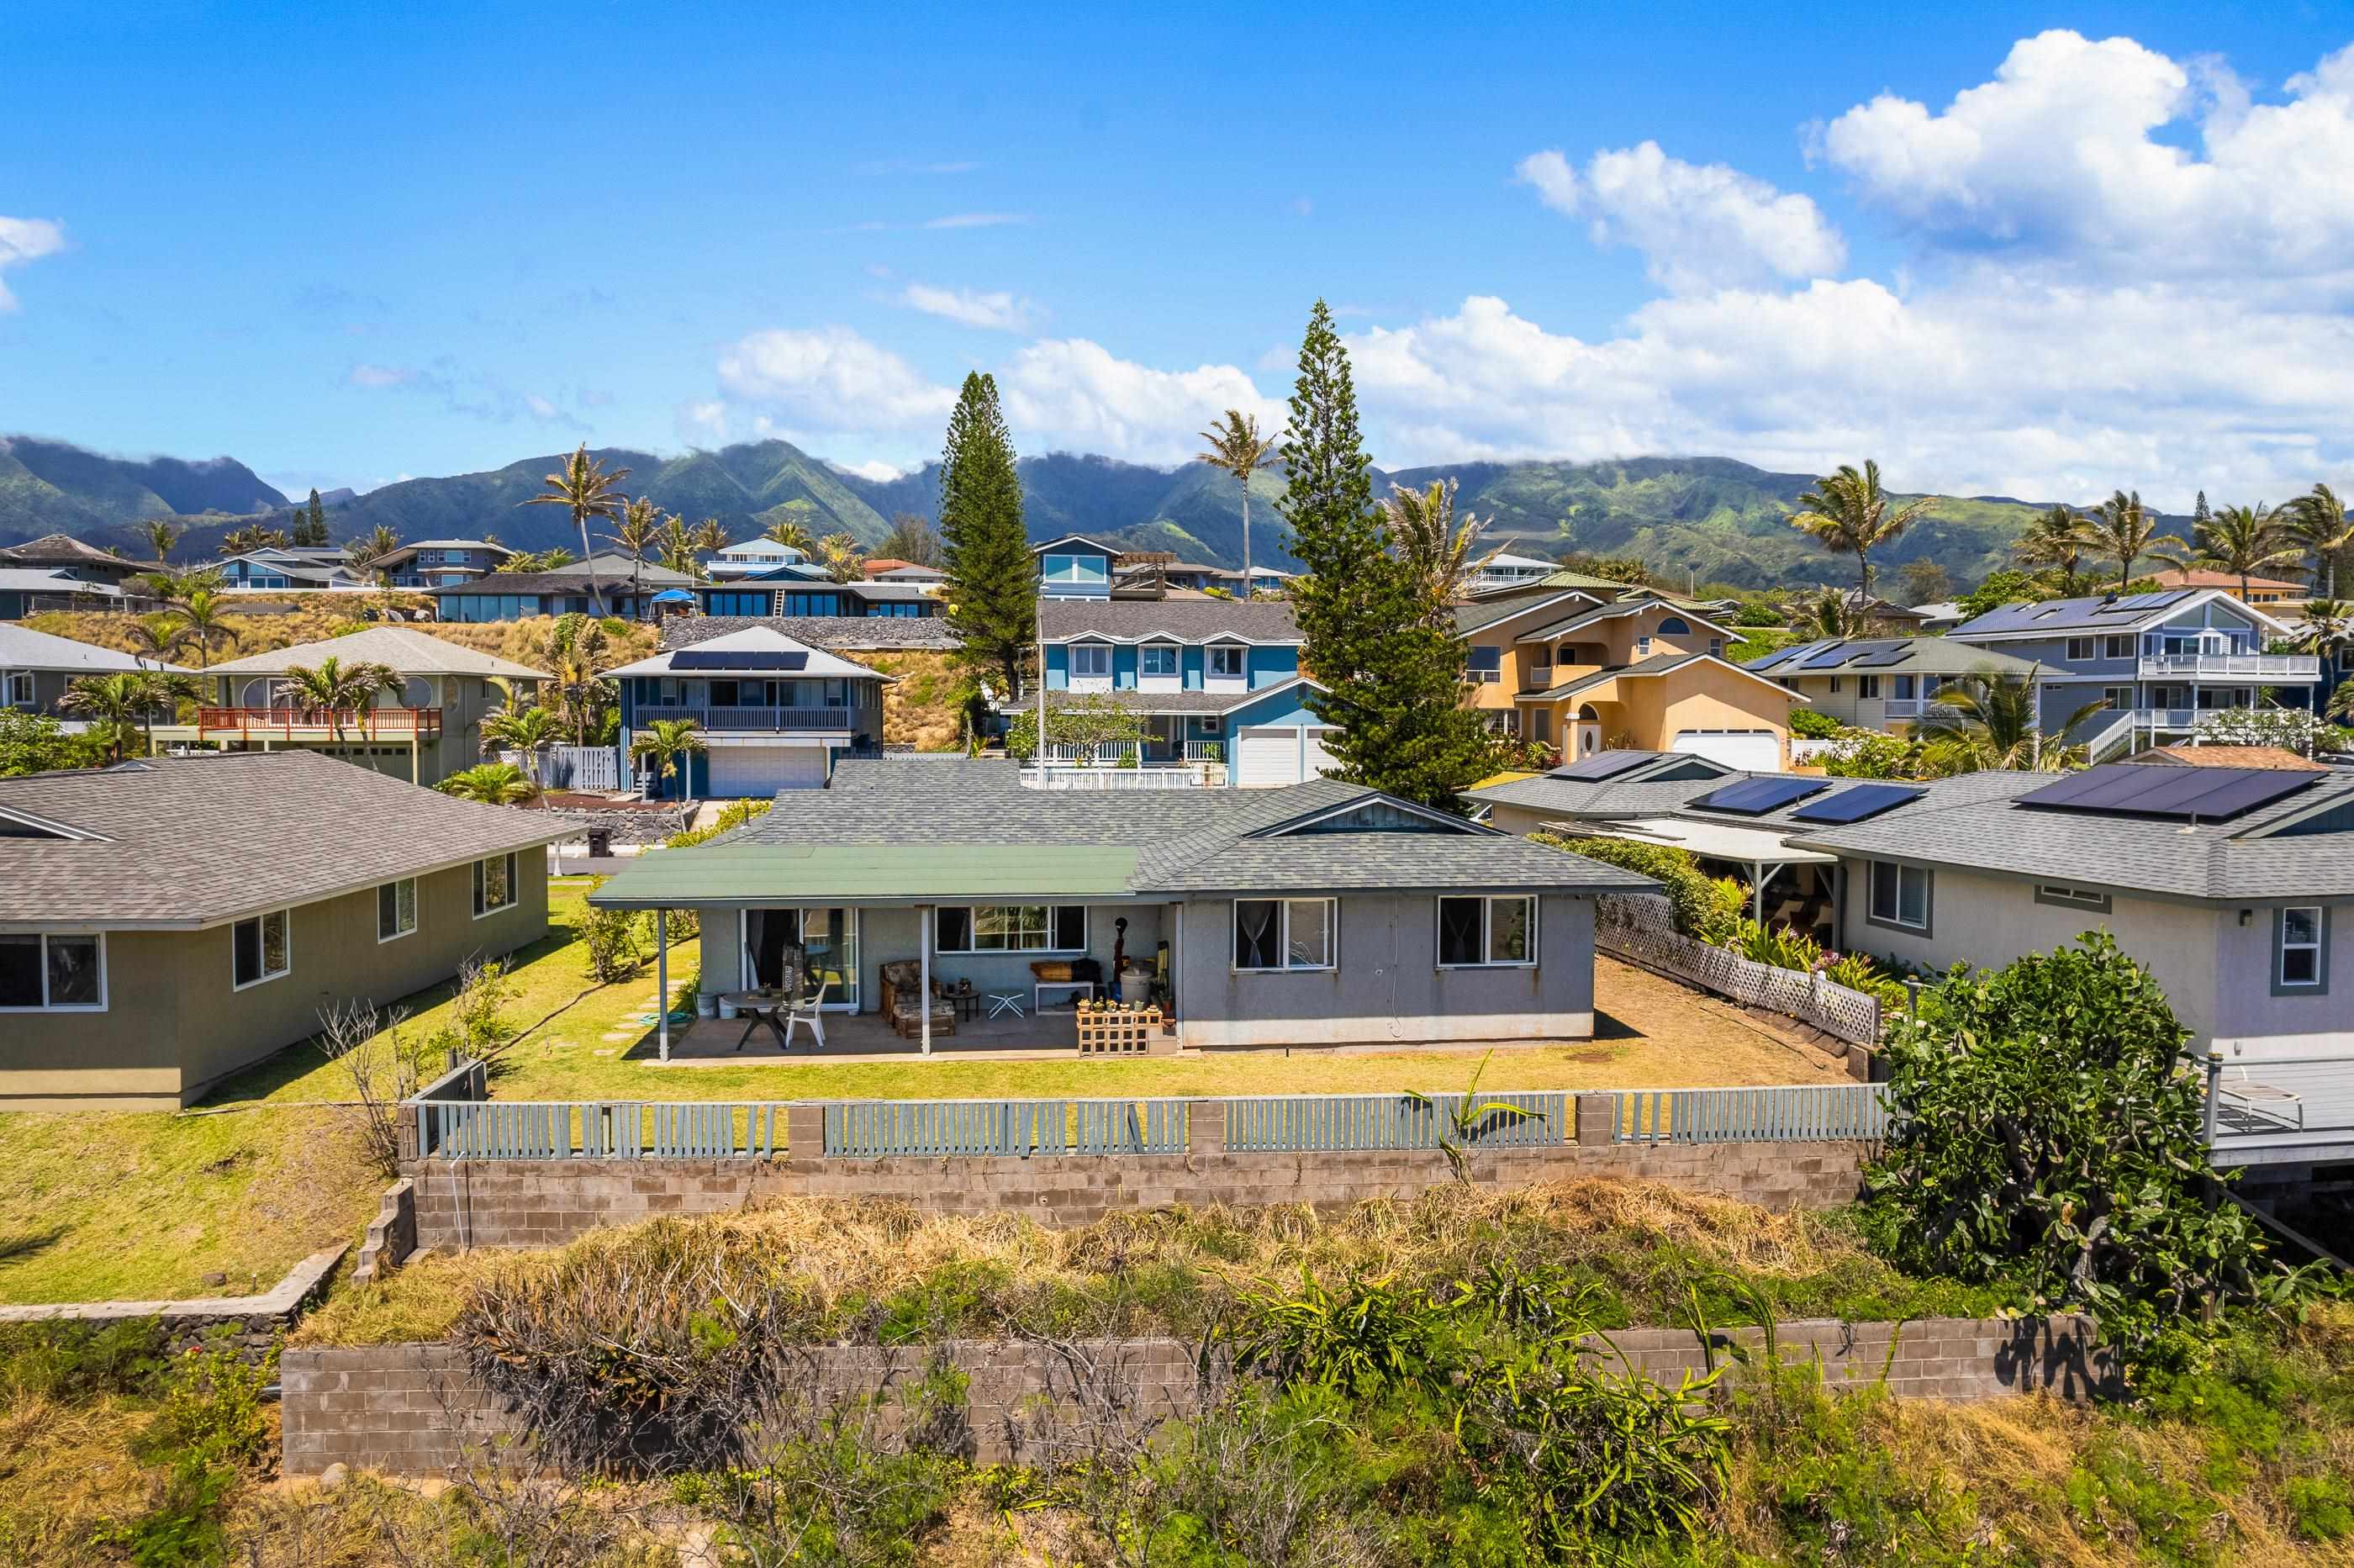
791,534
1236,447
2123,530
159,637
666,740
204,620
529,730
585,487
1435,547
2058,540
161,537
1831,615
338,687
2243,541
2317,521
636,532
2329,622
1848,514
576,652
1989,723
678,547
710,534
845,561
114,705
492,783
365,557
252,537
2341,703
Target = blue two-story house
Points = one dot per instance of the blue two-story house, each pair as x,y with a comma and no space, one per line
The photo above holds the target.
1216,681
440,563
798,588
287,567
1076,566
772,712
2159,663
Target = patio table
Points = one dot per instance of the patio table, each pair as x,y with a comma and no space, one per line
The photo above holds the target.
760,1007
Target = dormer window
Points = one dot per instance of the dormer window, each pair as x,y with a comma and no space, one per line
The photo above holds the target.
1090,661
1226,661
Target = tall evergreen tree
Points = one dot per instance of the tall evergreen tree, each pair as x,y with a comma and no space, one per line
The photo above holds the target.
992,582
1393,679
313,529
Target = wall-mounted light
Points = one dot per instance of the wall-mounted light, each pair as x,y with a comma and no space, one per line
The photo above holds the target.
2244,915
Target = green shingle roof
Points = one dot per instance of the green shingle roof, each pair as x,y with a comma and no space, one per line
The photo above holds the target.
759,873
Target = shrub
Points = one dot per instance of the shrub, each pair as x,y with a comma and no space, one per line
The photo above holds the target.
1706,908
2044,1129
1757,612
77,1362
1868,754
1812,724
611,936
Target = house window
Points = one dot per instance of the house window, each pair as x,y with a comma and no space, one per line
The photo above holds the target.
396,908
1867,686
1090,661
20,688
1717,647
1283,933
2087,898
1010,929
2117,647
1484,933
1541,726
495,884
1225,662
2080,649
1157,659
2117,696
1540,658
53,974
259,949
1903,688
1900,896
1835,685
2298,957
1485,665
1642,648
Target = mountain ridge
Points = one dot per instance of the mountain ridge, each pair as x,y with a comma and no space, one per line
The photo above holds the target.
1704,518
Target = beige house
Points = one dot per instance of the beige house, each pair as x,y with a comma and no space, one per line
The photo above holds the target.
1887,683
423,732
166,923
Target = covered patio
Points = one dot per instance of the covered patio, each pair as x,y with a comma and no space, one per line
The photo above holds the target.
852,1037
1786,886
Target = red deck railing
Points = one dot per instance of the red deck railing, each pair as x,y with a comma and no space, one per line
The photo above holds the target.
362,723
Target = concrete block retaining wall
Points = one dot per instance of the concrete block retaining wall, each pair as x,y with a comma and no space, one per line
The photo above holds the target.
252,1324
462,1203
415,1410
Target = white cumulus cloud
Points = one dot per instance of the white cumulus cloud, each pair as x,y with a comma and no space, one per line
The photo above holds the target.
879,471
24,239
377,377
999,310
1699,225
833,379
1080,396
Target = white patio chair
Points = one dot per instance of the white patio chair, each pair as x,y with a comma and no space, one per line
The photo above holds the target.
806,1011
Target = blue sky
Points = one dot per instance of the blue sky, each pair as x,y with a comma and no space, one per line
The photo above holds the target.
346,245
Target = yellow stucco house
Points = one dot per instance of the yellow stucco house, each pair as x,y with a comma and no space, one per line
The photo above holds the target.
1586,665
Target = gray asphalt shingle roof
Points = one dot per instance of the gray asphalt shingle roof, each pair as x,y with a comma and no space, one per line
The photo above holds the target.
190,841
409,651
1183,839
22,648
1183,620
1920,655
928,633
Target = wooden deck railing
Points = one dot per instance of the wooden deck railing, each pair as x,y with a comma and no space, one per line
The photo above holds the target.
365,724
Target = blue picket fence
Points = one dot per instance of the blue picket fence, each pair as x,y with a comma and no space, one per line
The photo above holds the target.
1790,1113
1285,1123
874,1128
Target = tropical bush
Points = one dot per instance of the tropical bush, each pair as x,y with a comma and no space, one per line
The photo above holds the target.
1868,754
1707,908
2046,1131
1812,724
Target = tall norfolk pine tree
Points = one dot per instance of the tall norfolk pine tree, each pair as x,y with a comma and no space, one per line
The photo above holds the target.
992,583
1393,682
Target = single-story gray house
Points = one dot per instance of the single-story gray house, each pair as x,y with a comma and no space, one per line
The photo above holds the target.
36,669
169,921
1317,914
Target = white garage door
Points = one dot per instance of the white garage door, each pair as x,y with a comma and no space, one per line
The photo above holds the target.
1273,754
762,770
1753,749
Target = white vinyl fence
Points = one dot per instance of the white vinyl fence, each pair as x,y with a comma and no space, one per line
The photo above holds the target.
1640,929
574,767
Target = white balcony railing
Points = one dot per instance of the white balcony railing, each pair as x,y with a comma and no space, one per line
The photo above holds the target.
2247,666
1904,707
2287,1109
822,721
1205,751
1184,776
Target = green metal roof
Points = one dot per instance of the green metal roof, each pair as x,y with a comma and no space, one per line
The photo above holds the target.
741,871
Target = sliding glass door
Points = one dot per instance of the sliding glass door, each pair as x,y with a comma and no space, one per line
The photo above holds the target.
829,941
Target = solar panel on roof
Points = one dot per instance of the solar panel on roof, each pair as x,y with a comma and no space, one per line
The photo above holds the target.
766,659
1754,797
1856,804
1825,660
1602,765
1885,657
2129,788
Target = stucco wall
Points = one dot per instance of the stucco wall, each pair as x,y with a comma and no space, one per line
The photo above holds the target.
1387,986
174,1021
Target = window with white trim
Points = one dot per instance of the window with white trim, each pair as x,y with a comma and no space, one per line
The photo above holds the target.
1487,933
2117,696
19,685
1899,896
1090,661
1484,665
1273,934
495,884
396,908
2296,943
1226,661
1157,659
1010,929
53,972
2067,898
2114,647
1868,686
2080,649
260,948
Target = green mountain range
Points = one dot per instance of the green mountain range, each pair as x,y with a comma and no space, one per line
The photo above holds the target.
1705,519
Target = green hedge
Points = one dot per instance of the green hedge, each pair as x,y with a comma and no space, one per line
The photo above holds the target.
1706,908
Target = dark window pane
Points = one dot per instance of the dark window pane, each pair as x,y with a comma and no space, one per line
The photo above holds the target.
387,910
73,972
273,943
2300,966
1258,935
245,939
1508,931
952,926
20,972
1070,926
1458,930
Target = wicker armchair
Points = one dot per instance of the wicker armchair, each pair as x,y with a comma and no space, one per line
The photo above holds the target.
903,993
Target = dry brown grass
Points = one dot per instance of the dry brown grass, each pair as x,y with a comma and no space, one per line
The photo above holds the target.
843,1257
919,709
309,622
65,1468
